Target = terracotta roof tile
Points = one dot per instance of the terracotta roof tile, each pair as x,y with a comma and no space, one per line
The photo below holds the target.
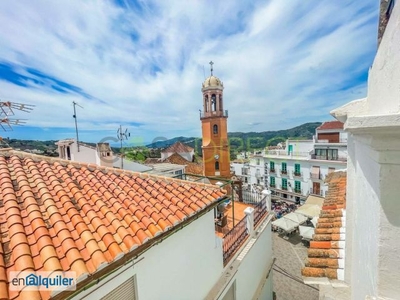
178,147
331,125
60,215
326,252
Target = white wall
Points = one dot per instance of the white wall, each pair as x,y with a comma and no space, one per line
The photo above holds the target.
300,146
373,206
250,278
256,262
85,154
184,266
383,79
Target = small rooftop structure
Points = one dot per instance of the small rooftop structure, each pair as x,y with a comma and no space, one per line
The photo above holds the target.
330,125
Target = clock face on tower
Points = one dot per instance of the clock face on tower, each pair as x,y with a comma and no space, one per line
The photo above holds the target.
216,156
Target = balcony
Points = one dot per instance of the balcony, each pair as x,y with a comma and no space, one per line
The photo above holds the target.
297,174
219,113
272,185
284,188
285,153
238,233
298,191
325,157
316,176
272,170
341,141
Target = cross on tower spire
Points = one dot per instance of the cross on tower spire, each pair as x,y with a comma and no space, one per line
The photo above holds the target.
211,64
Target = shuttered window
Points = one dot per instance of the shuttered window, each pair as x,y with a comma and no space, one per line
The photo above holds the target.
126,290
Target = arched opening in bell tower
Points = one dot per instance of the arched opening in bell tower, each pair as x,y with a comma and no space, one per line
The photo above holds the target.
206,103
213,102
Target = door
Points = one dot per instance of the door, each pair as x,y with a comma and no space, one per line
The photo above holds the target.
316,188
290,149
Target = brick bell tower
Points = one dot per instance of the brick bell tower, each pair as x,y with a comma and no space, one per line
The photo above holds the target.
216,158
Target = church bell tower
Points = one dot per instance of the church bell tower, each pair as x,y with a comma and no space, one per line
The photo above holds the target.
216,158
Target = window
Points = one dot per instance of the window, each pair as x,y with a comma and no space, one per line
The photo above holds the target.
272,166
284,168
220,102
284,184
297,169
326,154
297,186
126,290
206,103
215,129
216,166
258,161
272,181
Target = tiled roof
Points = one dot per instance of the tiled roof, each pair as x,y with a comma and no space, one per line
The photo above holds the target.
191,167
178,147
331,125
60,215
150,161
326,252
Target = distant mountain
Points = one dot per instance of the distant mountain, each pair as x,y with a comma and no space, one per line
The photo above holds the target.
241,141
166,143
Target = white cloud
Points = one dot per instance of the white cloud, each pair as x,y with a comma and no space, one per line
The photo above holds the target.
279,61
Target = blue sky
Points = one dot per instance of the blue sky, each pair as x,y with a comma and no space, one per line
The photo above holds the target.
141,63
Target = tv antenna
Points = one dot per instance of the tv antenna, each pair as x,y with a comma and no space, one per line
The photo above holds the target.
76,122
7,109
122,136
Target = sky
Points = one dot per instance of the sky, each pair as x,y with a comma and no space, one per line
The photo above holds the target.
141,64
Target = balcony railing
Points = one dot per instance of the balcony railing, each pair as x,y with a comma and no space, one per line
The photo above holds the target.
272,185
297,174
329,142
234,239
284,171
287,153
272,170
316,192
284,188
298,191
259,211
317,176
325,157
223,113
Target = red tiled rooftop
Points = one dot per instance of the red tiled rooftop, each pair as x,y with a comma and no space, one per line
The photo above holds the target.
58,215
331,125
178,147
191,167
326,252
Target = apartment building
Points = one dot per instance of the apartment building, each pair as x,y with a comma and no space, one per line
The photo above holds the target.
298,169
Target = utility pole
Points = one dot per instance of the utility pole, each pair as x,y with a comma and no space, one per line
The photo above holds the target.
121,136
76,123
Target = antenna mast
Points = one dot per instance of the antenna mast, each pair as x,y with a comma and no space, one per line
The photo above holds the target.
7,109
122,136
76,122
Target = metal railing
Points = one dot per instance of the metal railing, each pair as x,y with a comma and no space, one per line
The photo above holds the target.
329,142
297,174
316,176
223,113
326,157
260,210
287,153
234,239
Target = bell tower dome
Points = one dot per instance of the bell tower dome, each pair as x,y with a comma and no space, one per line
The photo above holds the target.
216,158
